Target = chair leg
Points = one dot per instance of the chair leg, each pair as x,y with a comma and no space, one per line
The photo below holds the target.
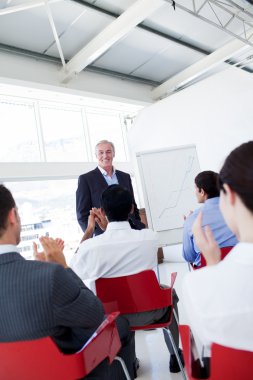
176,353
123,365
158,273
176,316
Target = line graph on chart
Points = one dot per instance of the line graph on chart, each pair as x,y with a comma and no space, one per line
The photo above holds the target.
168,178
175,195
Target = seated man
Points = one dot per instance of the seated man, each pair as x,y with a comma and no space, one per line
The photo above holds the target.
121,251
39,299
207,193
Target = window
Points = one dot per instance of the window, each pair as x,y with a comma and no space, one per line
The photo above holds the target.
19,141
104,126
42,131
63,134
47,208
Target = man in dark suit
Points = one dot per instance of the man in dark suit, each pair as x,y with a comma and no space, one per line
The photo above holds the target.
92,184
39,299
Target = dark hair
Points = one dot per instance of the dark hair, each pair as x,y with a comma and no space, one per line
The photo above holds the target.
237,172
117,203
6,204
207,181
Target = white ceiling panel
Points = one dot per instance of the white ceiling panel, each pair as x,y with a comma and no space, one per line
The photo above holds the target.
188,28
27,30
112,5
168,63
164,44
31,29
83,28
131,52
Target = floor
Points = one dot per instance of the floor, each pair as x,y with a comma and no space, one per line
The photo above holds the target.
150,345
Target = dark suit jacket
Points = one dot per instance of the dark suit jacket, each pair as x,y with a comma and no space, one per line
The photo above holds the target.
88,193
43,299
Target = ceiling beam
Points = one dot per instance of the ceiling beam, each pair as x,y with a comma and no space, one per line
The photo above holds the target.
92,69
135,14
25,6
197,69
144,27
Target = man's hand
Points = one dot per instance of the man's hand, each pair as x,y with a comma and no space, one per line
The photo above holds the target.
186,216
100,218
52,251
90,228
206,242
40,256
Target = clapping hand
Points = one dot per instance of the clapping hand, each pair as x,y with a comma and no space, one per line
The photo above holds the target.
99,217
52,251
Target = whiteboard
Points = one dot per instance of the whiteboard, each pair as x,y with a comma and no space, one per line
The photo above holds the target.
167,177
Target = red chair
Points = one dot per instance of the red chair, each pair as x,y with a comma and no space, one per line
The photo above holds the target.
224,252
225,362
41,359
135,294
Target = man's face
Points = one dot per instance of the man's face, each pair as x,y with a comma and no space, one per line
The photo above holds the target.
105,156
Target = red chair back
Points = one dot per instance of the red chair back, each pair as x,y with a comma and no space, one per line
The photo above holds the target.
224,252
134,293
225,363
41,359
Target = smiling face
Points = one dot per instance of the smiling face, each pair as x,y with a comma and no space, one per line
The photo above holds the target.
105,155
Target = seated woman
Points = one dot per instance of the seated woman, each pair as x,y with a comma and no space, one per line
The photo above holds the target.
218,298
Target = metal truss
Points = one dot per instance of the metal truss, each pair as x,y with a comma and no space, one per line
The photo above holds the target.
227,15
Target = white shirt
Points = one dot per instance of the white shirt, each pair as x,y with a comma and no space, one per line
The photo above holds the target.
119,251
6,248
219,300
113,180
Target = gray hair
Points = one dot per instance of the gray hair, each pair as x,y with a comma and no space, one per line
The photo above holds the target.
105,142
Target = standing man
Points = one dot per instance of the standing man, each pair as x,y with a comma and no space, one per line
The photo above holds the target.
207,192
92,184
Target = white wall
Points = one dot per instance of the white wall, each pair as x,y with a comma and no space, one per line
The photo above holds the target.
215,114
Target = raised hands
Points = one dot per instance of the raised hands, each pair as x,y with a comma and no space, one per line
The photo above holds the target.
99,217
96,216
206,242
52,251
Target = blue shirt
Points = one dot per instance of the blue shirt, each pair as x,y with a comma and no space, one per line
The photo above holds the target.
113,180
211,216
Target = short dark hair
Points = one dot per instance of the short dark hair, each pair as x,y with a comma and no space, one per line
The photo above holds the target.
116,202
208,181
237,172
6,204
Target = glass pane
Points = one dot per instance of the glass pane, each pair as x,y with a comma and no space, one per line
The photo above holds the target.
106,127
47,207
19,141
63,134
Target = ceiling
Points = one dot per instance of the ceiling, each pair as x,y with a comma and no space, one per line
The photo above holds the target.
166,44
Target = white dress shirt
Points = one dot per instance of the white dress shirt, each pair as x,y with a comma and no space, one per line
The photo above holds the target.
119,251
219,300
6,248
